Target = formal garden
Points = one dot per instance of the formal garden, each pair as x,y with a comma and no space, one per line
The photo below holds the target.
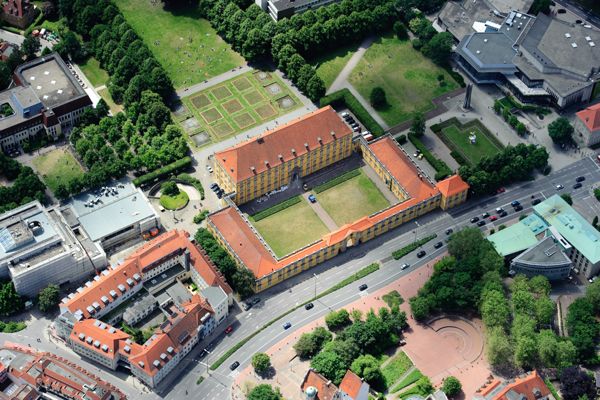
236,105
184,43
56,167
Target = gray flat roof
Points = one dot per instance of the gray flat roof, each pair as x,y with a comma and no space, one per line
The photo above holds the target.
506,6
460,16
287,4
489,50
17,117
548,252
214,295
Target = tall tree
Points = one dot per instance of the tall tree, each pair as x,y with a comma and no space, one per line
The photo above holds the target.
30,46
561,131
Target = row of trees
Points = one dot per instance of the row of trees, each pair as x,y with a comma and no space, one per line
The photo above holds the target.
240,279
513,164
25,185
131,65
435,45
582,326
510,118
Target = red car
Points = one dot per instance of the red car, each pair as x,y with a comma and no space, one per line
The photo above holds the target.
493,218
229,329
500,190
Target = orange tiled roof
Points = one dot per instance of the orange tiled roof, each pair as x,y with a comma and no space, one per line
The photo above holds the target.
99,337
239,160
590,117
452,185
351,384
325,389
524,387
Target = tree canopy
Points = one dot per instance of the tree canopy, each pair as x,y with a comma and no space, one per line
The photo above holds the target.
561,131
451,386
48,298
264,392
377,98
261,363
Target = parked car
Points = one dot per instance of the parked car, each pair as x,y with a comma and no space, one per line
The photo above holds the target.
500,190
577,185
536,201
499,210
438,245
312,198
474,219
220,193
503,214
308,306
485,215
255,300
493,218
404,266
515,203
363,287
580,179
417,153
559,187
345,115
421,254
229,329
234,365
519,208
246,306
357,129
449,231
402,342
481,223
287,325
354,125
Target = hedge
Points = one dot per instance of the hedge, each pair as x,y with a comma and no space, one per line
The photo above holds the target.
190,180
276,208
401,139
398,254
336,181
164,171
345,98
442,170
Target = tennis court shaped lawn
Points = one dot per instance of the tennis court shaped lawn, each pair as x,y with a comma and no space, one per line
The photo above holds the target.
56,167
352,199
456,136
184,43
410,80
290,229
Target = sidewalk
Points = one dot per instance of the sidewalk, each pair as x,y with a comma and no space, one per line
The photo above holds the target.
198,87
342,78
321,213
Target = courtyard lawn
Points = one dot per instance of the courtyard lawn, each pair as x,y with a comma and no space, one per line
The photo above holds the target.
96,75
353,199
291,228
114,107
56,167
238,104
394,368
330,65
408,78
174,202
182,41
456,136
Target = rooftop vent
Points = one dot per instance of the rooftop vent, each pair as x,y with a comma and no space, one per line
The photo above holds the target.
567,35
105,348
280,157
170,350
104,299
588,39
126,349
478,52
592,44
141,364
156,363
253,169
485,40
81,336
97,344
89,340
163,356
574,45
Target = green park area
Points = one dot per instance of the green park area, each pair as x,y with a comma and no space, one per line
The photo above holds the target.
410,80
352,199
114,107
184,43
238,104
331,64
457,137
56,167
291,228
174,202
95,74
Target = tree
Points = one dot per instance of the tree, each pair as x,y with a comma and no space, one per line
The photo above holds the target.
5,75
70,46
261,363
439,48
310,344
417,126
561,131
593,294
367,367
567,197
575,383
544,311
330,365
499,349
540,6
61,192
451,386
169,189
48,298
30,46
10,301
336,320
377,97
400,30
264,392
315,88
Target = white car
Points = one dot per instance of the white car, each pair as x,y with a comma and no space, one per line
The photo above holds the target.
209,169
404,266
559,187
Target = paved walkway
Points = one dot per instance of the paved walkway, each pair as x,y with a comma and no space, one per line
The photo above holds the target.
321,213
342,78
385,190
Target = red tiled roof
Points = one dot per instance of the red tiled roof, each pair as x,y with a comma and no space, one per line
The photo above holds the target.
452,185
325,389
525,387
590,117
94,331
238,160
351,384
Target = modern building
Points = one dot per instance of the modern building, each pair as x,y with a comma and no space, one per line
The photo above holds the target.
283,155
540,59
46,100
86,315
316,387
37,248
529,386
301,148
26,374
587,124
19,13
551,242
279,9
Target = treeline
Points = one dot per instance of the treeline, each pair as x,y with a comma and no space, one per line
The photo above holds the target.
25,186
240,279
513,164
582,324
131,65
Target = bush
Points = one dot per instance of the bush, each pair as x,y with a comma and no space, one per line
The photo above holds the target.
261,363
169,189
451,386
442,170
401,139
276,208
398,254
337,320
198,218
400,30
417,44
345,98
162,172
337,180
377,97
597,194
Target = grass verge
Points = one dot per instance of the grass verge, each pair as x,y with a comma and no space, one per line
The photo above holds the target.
276,208
336,181
409,379
369,269
398,254
395,368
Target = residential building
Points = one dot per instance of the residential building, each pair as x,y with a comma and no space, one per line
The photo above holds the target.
19,13
46,100
86,315
316,387
416,194
286,154
540,59
26,374
279,9
529,386
38,248
587,124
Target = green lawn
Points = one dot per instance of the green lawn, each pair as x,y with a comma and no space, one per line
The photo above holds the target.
183,42
56,167
330,65
395,368
291,228
174,202
96,75
459,137
114,107
352,199
240,103
409,379
408,78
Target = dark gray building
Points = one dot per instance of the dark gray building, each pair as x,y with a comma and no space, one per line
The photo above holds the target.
548,258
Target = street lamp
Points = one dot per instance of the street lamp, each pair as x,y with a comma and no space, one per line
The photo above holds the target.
205,364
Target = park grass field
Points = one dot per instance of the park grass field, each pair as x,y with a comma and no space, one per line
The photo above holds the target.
245,101
114,107
353,199
483,147
174,202
96,75
182,41
291,229
56,167
408,78
330,65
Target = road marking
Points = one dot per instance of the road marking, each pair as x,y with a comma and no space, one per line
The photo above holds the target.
364,293
234,374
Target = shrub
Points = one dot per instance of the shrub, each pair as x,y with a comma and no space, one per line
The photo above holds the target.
276,208
400,30
398,254
377,97
401,139
337,180
198,218
162,172
345,98
336,320
170,189
417,44
458,157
